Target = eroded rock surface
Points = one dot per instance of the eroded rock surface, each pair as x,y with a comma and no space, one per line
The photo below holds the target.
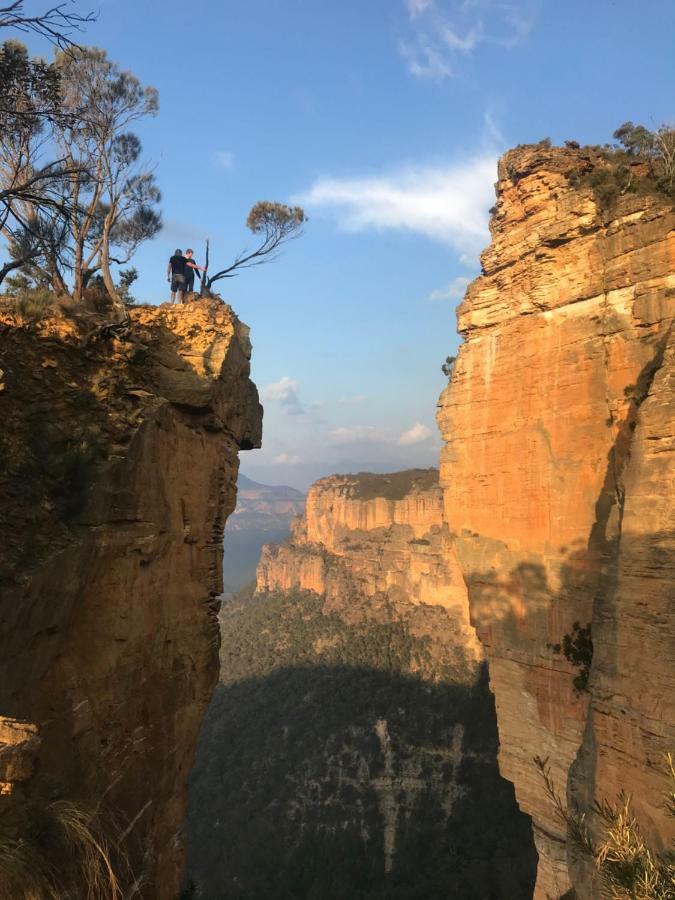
558,473
119,471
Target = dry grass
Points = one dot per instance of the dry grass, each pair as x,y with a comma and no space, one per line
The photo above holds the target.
627,867
60,851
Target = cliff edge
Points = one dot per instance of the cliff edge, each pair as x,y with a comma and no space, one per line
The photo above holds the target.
558,473
119,452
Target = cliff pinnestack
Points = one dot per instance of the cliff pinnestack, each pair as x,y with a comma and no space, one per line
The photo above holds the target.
119,452
558,476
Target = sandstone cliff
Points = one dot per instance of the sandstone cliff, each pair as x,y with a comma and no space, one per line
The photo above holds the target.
558,474
119,466
351,747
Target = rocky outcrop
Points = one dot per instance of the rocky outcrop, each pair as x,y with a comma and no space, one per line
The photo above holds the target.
120,464
558,473
373,536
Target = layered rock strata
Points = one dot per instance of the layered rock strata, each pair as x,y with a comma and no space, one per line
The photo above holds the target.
558,473
373,536
120,461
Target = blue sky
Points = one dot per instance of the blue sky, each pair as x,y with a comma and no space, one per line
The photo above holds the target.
384,118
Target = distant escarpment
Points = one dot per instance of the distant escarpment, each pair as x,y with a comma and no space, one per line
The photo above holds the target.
263,514
351,748
558,476
119,463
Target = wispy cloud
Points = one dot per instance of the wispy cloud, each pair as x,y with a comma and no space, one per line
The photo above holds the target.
417,7
370,434
285,392
358,434
443,30
225,159
288,459
453,291
354,400
446,203
415,435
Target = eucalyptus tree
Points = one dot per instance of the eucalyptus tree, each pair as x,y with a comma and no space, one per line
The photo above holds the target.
274,224
111,195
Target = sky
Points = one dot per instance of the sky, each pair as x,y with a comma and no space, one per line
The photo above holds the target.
384,119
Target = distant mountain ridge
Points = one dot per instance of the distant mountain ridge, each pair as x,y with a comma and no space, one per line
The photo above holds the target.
263,514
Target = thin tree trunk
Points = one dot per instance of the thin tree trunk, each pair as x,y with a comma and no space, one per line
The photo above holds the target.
204,290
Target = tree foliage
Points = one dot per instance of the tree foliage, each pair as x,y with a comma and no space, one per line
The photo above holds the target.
274,224
68,220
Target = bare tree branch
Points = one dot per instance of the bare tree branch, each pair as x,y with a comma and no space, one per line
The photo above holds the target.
56,23
277,224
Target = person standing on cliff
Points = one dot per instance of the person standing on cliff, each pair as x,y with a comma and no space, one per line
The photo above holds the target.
175,275
191,267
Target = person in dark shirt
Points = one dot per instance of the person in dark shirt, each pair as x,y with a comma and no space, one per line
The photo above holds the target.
190,268
175,275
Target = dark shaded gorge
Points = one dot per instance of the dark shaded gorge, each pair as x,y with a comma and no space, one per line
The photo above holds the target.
326,769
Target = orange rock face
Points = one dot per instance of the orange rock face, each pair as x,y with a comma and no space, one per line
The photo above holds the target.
121,470
558,473
353,542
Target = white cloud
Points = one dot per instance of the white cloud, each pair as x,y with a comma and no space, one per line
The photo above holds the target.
424,60
446,203
464,44
445,29
352,401
415,435
285,392
225,159
453,291
288,459
356,434
418,7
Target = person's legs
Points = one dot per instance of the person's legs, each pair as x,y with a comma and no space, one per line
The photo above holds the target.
177,287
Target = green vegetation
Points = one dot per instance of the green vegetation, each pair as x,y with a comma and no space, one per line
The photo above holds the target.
626,867
394,486
577,648
35,303
287,794
641,162
448,366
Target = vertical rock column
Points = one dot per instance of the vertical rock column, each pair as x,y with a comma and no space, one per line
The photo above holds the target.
563,331
109,641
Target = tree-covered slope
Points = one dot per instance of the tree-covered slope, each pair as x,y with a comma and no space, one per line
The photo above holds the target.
350,757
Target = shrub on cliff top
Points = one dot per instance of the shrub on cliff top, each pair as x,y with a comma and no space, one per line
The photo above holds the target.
641,162
34,304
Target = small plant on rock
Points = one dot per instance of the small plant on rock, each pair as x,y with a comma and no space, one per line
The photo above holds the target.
448,366
627,867
577,648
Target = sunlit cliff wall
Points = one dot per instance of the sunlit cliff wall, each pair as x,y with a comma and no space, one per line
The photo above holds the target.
558,474
119,466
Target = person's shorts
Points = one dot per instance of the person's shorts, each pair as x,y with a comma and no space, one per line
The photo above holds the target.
177,283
